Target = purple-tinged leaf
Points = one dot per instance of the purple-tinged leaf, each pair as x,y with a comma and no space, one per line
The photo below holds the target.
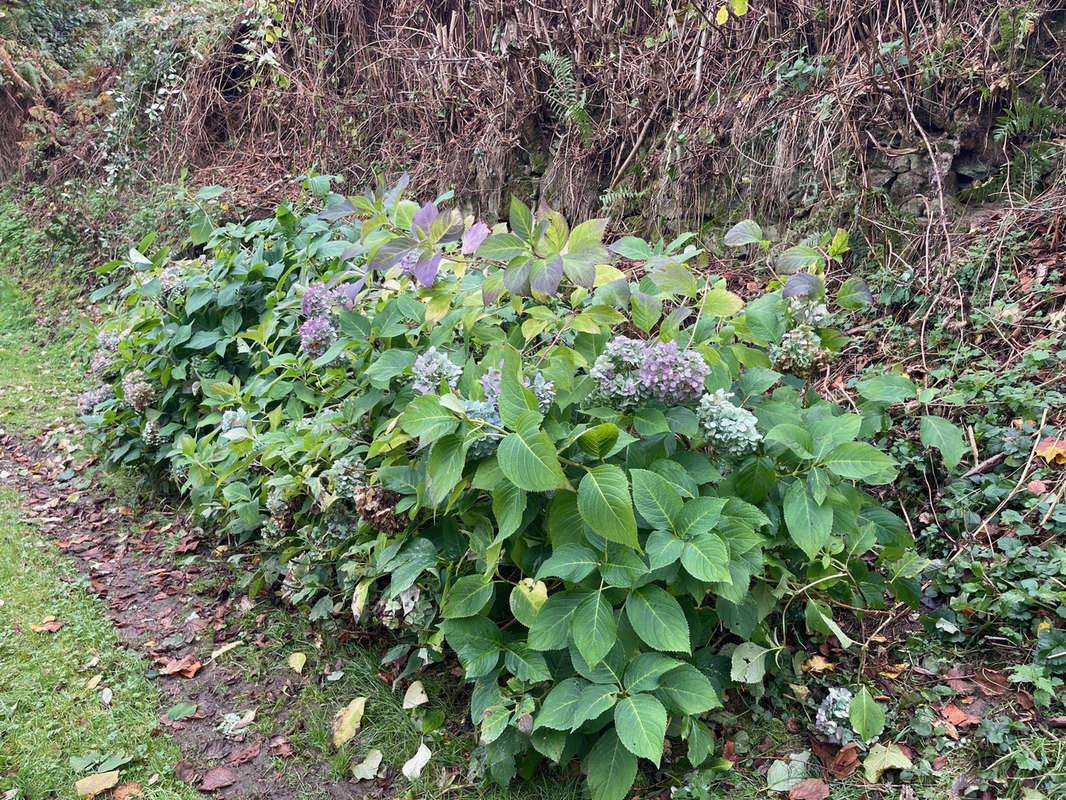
580,267
516,279
423,221
425,271
351,251
492,288
392,195
337,207
805,285
390,253
473,238
545,274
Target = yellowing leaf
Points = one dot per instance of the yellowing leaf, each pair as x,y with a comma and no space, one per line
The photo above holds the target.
1052,450
359,596
415,695
94,681
605,273
223,649
414,765
94,784
297,661
722,16
740,7
346,721
882,758
818,664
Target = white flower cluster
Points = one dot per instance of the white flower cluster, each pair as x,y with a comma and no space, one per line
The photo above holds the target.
800,352
729,429
150,434
433,367
833,718
137,391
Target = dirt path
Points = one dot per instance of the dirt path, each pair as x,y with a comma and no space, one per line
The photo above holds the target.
130,562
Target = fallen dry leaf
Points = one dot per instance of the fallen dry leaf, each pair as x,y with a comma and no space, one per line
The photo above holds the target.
809,789
184,771
94,784
1052,450
957,679
844,762
296,662
413,767
243,755
346,721
217,778
992,682
49,625
818,664
957,717
127,790
729,752
280,747
415,695
186,665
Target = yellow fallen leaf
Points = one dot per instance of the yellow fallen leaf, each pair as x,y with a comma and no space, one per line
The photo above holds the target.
818,664
225,649
722,16
297,661
802,692
94,784
346,721
415,695
893,670
94,681
362,589
1052,450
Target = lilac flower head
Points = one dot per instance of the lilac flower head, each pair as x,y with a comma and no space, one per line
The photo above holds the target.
490,384
88,401
316,336
108,340
615,373
316,301
671,375
433,367
346,295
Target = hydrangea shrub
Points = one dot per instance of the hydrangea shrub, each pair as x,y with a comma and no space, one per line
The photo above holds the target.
499,445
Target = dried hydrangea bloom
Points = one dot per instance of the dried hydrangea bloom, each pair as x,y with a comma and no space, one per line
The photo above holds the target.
833,718
88,401
137,391
235,419
729,429
172,284
317,335
433,367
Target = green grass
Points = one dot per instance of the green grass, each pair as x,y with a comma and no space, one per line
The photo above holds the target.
47,715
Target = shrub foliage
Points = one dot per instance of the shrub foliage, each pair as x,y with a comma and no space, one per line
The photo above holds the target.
609,491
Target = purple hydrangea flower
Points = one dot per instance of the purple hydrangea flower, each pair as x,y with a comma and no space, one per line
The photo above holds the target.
88,401
671,375
346,295
490,384
316,336
316,301
630,372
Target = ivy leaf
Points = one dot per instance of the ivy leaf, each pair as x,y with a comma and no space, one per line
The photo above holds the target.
605,506
610,767
867,717
658,619
656,500
528,459
945,436
594,628
640,721
809,524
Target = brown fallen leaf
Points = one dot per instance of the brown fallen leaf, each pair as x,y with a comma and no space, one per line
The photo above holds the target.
818,664
845,762
217,778
92,785
127,790
809,789
992,682
243,755
957,717
184,771
186,665
729,752
958,680
50,625
280,747
939,763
